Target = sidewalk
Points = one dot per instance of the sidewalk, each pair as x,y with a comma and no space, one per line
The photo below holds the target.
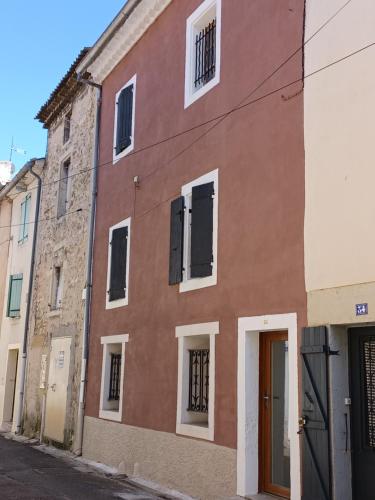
36,472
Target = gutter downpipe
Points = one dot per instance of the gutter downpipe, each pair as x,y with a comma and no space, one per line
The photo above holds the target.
89,261
28,307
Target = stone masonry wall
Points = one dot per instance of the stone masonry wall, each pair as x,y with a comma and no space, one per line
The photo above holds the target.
61,242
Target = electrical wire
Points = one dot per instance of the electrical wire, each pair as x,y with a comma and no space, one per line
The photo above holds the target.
254,101
221,116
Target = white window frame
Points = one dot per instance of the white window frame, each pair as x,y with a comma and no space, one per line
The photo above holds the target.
191,94
57,291
116,158
188,283
106,342
111,304
183,334
64,200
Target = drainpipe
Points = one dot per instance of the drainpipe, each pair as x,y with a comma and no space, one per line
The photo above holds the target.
28,306
88,287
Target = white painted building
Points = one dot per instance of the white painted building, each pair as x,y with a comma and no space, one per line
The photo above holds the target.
339,104
21,194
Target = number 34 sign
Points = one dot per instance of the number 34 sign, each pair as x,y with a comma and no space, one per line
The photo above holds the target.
361,309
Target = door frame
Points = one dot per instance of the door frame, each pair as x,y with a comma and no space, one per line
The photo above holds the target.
265,484
249,329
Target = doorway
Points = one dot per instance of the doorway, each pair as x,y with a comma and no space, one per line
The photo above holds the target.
274,449
10,386
362,388
57,390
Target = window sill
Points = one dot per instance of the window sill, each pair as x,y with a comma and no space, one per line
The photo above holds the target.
191,96
195,431
110,415
124,153
113,304
196,283
53,312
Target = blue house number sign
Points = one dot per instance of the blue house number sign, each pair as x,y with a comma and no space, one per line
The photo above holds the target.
361,309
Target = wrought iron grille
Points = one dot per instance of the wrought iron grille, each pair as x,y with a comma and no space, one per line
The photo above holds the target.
205,55
199,363
114,381
369,379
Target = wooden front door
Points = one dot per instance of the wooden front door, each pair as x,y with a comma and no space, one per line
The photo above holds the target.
274,449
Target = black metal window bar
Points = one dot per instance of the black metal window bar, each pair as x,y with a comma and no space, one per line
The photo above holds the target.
369,369
199,363
114,381
205,55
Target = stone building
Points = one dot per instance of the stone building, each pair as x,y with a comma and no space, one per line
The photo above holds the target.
56,323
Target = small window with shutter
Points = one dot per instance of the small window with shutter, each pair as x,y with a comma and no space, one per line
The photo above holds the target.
14,296
118,265
24,225
124,120
193,234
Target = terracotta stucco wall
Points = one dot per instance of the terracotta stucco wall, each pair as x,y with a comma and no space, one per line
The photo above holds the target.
260,157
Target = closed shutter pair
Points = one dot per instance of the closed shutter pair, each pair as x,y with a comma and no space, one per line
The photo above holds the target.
119,250
124,119
201,250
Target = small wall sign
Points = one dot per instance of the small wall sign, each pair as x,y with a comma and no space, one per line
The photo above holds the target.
361,309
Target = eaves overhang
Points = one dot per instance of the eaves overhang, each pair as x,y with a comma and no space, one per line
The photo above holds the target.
122,34
63,93
23,175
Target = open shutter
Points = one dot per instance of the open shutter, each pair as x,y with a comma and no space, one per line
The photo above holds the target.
21,235
316,481
119,249
27,216
176,241
202,230
124,119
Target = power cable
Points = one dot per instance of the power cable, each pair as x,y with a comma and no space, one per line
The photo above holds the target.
221,116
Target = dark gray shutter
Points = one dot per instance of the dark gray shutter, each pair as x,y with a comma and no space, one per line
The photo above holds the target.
124,119
176,241
119,249
316,483
201,230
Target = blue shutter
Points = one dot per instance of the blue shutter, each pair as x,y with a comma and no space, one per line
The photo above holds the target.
14,298
27,215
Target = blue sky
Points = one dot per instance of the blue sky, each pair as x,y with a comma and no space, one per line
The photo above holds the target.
39,40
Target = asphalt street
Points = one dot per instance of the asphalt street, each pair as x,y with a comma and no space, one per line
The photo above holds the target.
27,473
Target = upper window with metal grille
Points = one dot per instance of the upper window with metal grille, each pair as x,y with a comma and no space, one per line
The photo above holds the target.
202,71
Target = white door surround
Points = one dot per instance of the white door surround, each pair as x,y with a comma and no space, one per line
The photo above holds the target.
248,400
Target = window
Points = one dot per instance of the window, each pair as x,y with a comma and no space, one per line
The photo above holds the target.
123,141
202,64
64,189
67,123
14,296
56,298
193,237
118,265
196,380
113,364
24,225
